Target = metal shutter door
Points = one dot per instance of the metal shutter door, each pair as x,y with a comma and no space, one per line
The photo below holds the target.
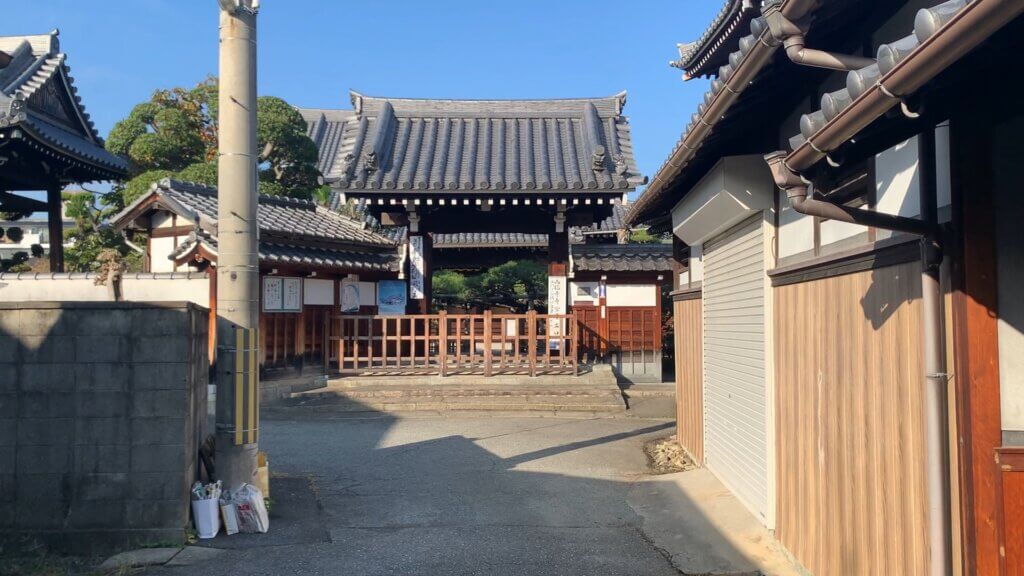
735,431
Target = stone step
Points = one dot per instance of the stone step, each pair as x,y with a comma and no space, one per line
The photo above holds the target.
467,391
667,390
457,403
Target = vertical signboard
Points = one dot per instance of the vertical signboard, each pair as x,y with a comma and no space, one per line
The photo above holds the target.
281,294
556,305
416,268
391,298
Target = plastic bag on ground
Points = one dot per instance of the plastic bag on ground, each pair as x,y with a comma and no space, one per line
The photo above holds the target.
250,509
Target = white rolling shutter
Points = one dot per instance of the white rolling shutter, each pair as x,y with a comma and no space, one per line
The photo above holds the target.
735,425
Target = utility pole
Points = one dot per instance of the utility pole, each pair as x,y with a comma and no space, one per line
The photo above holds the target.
237,255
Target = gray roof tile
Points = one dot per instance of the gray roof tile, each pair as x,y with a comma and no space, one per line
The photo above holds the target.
447,145
277,215
699,57
622,257
304,256
858,81
36,63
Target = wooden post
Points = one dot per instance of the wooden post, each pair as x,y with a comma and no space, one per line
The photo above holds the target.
442,331
55,224
975,336
487,343
327,341
531,338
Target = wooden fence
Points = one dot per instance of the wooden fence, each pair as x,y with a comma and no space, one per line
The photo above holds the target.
486,344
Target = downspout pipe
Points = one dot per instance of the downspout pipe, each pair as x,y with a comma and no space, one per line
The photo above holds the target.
791,36
796,188
933,339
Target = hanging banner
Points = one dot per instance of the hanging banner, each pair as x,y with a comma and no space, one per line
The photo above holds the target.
350,296
416,268
556,305
391,297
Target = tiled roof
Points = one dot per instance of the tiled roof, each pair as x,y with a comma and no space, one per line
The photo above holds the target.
446,145
610,225
490,240
303,256
696,57
326,128
758,41
889,55
622,257
36,71
277,215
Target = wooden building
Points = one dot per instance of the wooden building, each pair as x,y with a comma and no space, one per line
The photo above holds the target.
47,140
470,184
307,253
847,343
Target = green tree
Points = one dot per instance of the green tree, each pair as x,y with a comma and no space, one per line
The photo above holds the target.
521,284
174,134
642,236
449,287
90,237
15,234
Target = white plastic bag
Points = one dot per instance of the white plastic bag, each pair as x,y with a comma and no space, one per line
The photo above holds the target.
250,509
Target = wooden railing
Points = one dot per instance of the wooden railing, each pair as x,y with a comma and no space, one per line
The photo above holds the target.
486,344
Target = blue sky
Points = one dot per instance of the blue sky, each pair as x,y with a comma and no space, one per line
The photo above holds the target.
313,51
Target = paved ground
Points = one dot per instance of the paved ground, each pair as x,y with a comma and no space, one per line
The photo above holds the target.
451,495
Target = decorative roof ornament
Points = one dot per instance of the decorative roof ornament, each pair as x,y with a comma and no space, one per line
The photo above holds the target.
370,161
621,166
346,162
597,159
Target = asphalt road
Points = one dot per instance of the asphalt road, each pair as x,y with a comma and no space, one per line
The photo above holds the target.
451,495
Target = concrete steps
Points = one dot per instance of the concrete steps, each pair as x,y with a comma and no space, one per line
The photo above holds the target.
594,392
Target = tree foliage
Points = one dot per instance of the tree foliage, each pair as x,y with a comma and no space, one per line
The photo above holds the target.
174,134
642,236
519,284
15,234
90,237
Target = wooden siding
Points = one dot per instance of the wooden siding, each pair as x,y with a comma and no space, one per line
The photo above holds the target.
689,378
851,470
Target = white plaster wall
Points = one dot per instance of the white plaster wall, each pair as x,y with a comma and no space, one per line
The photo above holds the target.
796,231
159,251
83,289
697,263
632,295
896,180
575,295
318,292
1008,162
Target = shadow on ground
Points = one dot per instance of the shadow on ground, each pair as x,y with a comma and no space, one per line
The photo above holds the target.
384,494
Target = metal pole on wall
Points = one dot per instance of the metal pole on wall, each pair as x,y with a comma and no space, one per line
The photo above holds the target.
237,260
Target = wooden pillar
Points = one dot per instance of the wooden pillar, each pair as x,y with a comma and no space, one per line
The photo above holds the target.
680,260
55,223
421,305
975,337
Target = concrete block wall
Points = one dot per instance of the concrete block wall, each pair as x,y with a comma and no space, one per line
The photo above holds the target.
102,409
